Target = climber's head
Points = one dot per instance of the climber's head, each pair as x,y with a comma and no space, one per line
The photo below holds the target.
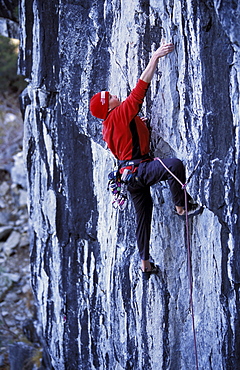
102,103
99,104
113,102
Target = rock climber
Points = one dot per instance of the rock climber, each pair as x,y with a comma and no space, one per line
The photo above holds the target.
128,138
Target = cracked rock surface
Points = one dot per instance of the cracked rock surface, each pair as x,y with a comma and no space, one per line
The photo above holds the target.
94,310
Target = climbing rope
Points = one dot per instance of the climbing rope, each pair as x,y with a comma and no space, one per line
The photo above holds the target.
188,251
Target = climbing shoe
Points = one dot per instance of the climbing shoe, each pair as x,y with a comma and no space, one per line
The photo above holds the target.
194,209
147,273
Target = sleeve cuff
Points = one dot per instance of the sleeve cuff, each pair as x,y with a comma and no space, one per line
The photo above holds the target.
143,83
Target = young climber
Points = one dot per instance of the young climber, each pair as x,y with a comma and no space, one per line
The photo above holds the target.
128,139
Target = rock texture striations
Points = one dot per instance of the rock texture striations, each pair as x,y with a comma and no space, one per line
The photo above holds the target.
94,309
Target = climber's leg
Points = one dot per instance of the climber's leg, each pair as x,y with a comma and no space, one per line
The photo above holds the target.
143,205
149,173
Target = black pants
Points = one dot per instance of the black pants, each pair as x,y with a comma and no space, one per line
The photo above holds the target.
149,173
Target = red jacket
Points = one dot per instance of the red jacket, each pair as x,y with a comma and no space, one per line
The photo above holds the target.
125,133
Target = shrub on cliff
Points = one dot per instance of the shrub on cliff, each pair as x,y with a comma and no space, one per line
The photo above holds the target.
10,81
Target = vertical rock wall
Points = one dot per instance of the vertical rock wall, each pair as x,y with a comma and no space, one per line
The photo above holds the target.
94,309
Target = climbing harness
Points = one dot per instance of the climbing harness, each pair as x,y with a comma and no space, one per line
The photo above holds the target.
119,179
188,250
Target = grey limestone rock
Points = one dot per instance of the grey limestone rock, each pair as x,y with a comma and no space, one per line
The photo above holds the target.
94,310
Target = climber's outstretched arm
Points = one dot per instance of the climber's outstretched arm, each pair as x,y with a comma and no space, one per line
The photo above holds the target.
163,50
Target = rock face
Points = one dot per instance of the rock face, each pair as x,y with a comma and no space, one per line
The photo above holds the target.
94,309
9,18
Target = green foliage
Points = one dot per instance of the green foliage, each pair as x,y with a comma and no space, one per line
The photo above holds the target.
10,82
